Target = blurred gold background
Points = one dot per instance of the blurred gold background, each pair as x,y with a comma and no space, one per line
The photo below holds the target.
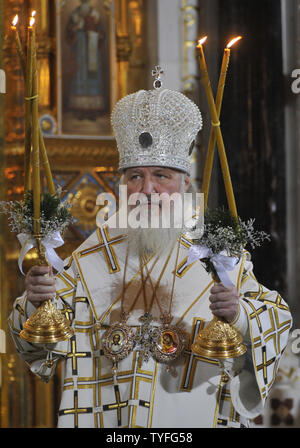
83,165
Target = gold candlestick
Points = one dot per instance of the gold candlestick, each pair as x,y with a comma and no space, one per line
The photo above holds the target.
212,138
216,125
46,324
219,339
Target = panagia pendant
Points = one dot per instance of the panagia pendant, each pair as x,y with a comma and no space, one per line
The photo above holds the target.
118,342
169,343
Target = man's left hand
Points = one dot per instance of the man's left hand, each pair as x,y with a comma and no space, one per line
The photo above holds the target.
224,302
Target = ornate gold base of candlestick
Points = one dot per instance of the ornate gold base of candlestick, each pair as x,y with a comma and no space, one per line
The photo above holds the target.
46,325
219,340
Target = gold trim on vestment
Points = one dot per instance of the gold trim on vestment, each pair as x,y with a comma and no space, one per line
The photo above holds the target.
116,300
238,283
153,395
195,301
136,395
184,271
218,398
195,356
71,284
98,381
105,246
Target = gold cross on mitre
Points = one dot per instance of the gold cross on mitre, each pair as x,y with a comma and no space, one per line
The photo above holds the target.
157,72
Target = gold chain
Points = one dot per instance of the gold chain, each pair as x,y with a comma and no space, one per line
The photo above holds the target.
154,295
124,314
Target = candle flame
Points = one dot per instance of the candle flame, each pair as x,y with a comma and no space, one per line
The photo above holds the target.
31,21
201,41
15,20
233,41
33,14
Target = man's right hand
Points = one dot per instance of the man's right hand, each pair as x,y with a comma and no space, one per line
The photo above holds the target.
40,284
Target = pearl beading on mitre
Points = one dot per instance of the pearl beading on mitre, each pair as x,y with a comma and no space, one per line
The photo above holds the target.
171,119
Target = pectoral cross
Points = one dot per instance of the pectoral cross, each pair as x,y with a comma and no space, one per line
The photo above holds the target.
144,336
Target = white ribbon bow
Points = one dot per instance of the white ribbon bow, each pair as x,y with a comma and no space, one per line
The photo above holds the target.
221,262
50,242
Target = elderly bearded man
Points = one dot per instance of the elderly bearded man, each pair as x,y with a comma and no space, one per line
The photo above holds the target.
136,283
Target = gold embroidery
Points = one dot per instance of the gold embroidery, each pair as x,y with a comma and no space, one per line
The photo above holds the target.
183,267
76,410
105,245
192,358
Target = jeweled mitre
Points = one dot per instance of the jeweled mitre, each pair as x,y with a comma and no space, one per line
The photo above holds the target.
156,128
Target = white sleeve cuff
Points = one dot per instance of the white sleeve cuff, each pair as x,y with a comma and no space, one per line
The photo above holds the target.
241,323
245,395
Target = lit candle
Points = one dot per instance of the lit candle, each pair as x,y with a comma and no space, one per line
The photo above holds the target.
35,138
43,153
18,43
46,165
32,100
28,106
216,125
213,137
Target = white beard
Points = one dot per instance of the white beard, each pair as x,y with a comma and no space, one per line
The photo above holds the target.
154,238
150,241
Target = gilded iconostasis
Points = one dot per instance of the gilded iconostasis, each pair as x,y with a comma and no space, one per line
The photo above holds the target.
77,90
92,53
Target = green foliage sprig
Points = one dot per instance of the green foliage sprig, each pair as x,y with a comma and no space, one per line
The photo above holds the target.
223,232
54,215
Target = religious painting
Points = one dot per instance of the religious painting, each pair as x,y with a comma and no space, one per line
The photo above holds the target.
116,342
85,67
168,342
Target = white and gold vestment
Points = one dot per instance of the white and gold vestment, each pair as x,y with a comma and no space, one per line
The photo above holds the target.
194,394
